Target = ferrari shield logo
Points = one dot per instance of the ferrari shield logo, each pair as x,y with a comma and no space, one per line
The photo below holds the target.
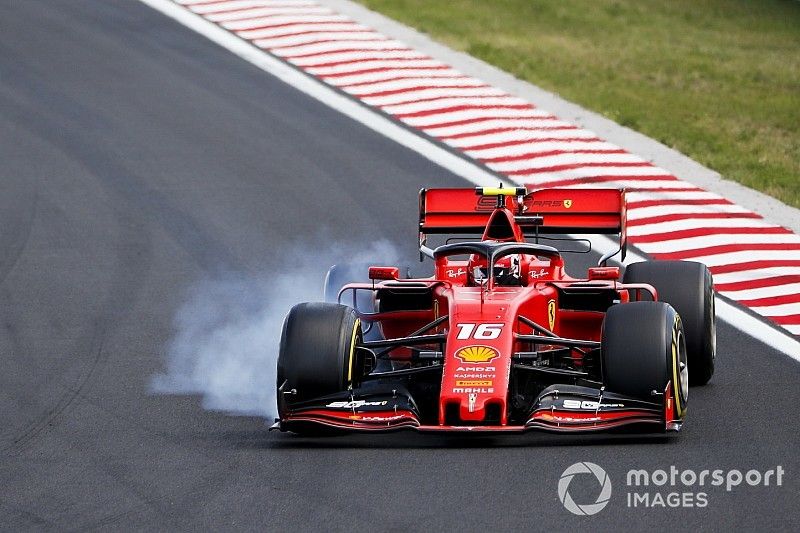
567,204
551,314
477,354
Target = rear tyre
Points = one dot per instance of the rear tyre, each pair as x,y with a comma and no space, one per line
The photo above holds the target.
643,349
317,351
688,287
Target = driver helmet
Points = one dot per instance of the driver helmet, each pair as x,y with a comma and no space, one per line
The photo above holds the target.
506,270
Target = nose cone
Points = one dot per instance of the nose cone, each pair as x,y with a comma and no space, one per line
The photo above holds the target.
476,365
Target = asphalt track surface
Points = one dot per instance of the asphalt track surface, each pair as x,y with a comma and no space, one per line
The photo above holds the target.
137,157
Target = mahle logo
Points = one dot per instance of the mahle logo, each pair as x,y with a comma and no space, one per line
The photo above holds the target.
586,509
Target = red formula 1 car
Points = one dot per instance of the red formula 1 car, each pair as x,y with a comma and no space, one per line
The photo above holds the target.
500,338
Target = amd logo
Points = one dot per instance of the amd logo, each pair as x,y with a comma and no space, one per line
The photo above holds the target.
476,369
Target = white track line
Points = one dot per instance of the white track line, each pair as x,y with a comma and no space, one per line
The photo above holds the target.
336,49
755,278
567,159
250,14
363,66
542,147
694,223
514,134
763,292
368,82
267,22
242,5
434,99
688,209
315,38
544,125
707,241
298,29
691,194
469,171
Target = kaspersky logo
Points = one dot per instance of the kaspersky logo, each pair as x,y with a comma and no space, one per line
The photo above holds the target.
477,354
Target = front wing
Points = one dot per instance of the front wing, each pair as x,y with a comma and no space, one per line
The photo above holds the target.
563,409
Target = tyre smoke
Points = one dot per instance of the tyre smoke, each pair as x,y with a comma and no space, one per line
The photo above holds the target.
227,333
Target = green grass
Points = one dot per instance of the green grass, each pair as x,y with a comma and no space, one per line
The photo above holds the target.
718,80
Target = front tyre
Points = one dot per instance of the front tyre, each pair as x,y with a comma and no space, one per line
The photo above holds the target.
643,350
317,351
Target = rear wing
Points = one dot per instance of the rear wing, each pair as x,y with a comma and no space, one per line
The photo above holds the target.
546,211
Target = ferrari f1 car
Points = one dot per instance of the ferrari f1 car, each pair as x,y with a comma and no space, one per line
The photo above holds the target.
501,338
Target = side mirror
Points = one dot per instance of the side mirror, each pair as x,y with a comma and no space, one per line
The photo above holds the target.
387,273
597,273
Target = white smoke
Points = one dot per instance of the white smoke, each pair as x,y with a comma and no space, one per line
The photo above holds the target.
227,333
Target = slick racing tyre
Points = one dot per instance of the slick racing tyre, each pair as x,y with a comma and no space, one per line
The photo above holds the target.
317,351
686,286
643,349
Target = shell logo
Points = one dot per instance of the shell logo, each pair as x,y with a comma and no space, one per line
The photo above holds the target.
477,354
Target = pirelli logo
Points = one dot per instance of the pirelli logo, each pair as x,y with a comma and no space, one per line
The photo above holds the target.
474,383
